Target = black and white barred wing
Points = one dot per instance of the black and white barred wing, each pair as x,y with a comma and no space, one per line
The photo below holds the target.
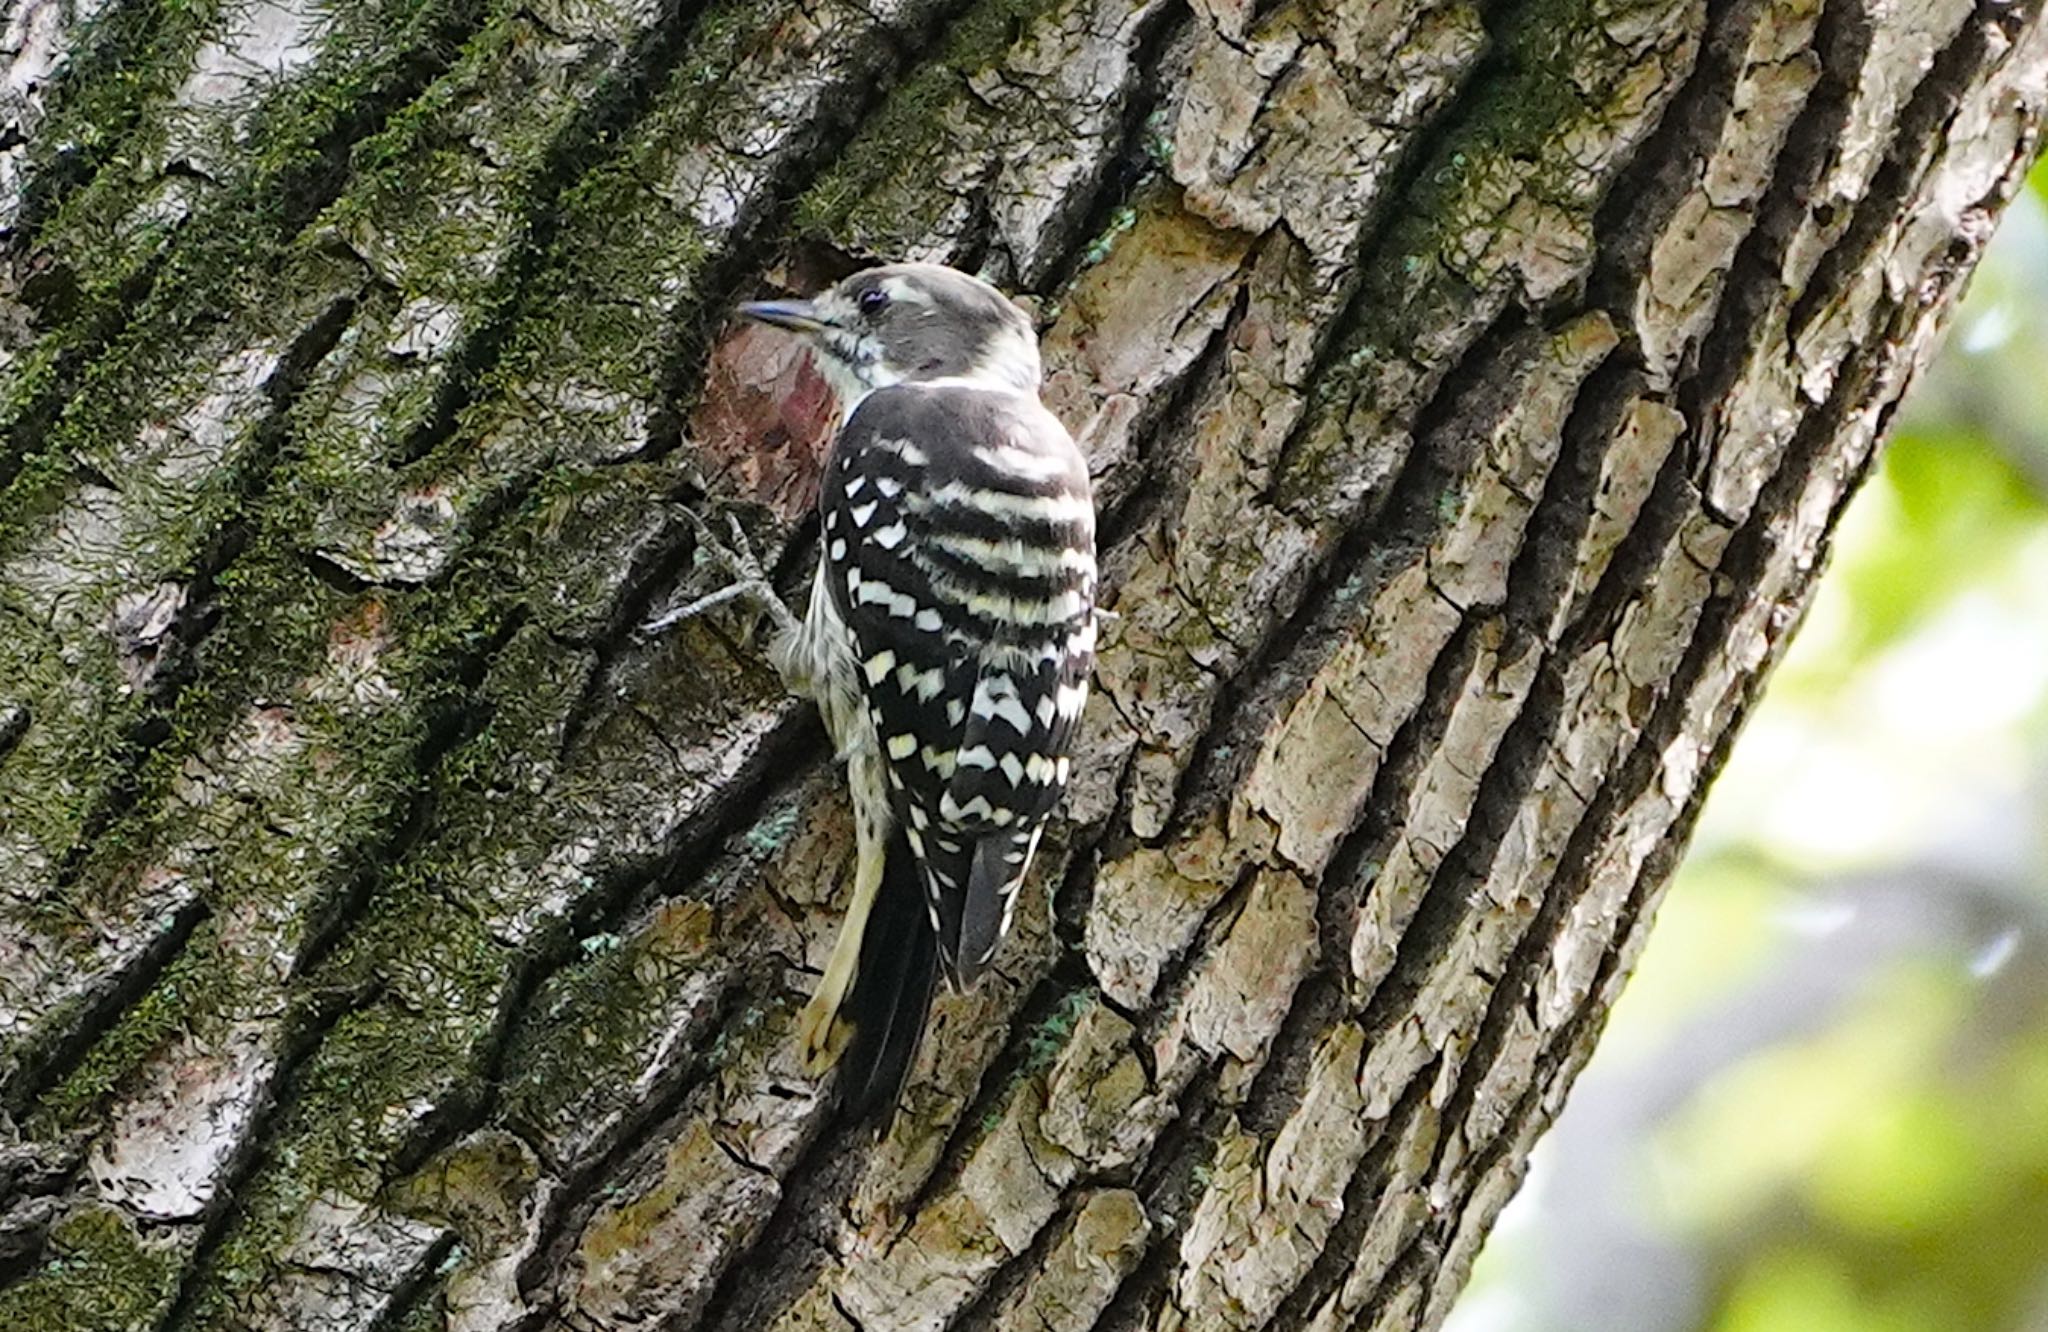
961,538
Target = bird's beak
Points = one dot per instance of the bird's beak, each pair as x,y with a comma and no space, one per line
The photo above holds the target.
796,316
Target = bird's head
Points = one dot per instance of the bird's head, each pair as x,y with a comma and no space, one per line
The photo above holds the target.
910,323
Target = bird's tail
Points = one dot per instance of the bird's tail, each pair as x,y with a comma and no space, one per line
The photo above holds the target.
892,992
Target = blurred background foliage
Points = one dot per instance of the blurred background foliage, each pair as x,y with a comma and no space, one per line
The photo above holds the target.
1822,1103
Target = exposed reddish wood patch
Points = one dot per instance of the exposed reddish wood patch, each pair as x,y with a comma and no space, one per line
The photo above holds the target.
765,420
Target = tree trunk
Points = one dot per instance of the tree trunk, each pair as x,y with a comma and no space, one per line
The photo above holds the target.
390,938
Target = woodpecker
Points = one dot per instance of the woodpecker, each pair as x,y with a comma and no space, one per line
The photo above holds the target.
947,642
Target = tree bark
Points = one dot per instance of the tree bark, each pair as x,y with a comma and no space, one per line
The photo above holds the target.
390,938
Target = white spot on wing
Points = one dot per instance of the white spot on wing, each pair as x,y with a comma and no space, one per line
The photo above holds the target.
1010,709
977,809
925,684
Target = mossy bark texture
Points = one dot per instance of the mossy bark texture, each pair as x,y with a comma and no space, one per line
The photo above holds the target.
391,939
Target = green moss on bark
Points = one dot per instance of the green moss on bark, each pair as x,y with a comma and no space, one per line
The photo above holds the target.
883,193
99,1272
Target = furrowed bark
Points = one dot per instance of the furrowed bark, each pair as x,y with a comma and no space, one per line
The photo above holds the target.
392,938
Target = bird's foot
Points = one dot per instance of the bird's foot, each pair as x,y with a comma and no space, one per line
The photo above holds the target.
821,1036
749,582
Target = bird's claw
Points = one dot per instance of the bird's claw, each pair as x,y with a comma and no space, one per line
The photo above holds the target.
734,554
821,1037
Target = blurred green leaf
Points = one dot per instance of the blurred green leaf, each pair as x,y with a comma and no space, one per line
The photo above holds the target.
1793,1291
1948,511
1761,1128
1907,1164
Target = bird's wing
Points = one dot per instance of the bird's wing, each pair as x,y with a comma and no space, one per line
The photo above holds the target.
960,539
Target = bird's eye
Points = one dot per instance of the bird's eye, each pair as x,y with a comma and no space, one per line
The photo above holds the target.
873,301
